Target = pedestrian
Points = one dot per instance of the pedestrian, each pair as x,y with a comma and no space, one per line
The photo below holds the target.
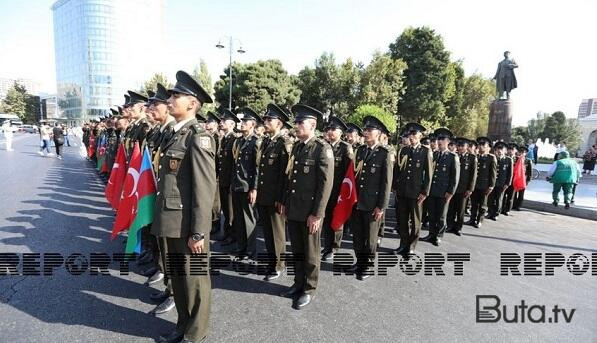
502,182
509,193
374,168
273,160
58,136
531,149
7,132
310,177
446,175
182,213
413,172
68,132
563,174
589,158
44,133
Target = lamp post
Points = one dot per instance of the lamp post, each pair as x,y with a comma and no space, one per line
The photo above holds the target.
240,50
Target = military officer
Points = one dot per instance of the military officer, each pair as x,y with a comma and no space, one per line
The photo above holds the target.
310,178
509,194
502,182
158,109
112,140
139,126
182,220
273,160
225,164
466,186
244,185
486,173
412,174
343,154
445,179
353,135
374,162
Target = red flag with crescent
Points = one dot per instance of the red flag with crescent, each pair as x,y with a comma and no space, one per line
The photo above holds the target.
125,214
117,176
346,199
519,179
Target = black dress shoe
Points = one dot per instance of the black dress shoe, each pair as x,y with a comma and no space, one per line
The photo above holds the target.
379,238
149,272
506,214
470,223
457,233
401,251
172,337
160,296
364,274
292,291
436,242
164,307
327,254
567,206
303,301
477,225
272,275
155,278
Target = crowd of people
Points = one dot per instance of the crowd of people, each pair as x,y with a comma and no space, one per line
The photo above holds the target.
221,174
56,135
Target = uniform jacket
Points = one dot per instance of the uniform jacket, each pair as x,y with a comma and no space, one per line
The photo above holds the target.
225,160
186,184
486,171
504,171
446,174
310,179
468,173
244,174
273,160
374,176
413,171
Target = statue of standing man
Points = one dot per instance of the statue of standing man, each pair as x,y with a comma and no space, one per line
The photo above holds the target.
504,77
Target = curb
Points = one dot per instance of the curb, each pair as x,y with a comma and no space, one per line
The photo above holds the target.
572,211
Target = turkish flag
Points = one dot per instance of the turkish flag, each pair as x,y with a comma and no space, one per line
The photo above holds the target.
346,199
116,181
127,209
519,180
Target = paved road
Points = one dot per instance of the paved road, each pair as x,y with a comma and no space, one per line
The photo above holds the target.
49,205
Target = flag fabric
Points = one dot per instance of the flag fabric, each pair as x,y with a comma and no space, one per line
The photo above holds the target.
346,199
139,192
117,176
101,156
91,146
519,180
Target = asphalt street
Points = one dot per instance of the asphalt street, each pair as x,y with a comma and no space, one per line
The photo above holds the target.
57,206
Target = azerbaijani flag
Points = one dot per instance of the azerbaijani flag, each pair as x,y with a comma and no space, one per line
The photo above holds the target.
145,194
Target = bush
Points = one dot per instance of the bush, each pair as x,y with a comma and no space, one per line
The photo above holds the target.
373,110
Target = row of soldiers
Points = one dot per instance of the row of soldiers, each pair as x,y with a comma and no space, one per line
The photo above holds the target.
215,176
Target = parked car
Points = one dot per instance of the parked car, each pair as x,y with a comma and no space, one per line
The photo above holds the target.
29,128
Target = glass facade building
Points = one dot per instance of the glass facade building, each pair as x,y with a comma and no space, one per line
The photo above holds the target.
101,51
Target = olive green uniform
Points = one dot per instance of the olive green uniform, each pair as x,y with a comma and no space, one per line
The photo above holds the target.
446,174
225,163
466,183
186,187
273,160
502,182
486,173
310,178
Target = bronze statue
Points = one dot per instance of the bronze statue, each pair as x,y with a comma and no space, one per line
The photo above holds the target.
504,77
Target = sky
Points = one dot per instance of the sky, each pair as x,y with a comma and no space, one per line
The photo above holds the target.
553,42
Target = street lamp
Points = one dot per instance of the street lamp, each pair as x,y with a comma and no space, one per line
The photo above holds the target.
240,50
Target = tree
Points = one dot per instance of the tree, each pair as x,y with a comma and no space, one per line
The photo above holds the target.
382,82
202,76
472,117
255,85
387,118
152,83
561,130
427,74
15,101
329,86
454,96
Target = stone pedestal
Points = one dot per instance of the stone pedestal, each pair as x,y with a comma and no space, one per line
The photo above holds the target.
500,120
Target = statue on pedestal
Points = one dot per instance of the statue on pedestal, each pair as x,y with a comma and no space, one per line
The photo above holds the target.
504,77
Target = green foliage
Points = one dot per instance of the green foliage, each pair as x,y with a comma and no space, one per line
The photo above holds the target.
427,77
469,113
257,84
202,76
152,83
382,82
556,127
15,101
362,111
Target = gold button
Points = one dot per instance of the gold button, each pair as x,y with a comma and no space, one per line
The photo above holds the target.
158,193
293,191
162,154
180,205
295,171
